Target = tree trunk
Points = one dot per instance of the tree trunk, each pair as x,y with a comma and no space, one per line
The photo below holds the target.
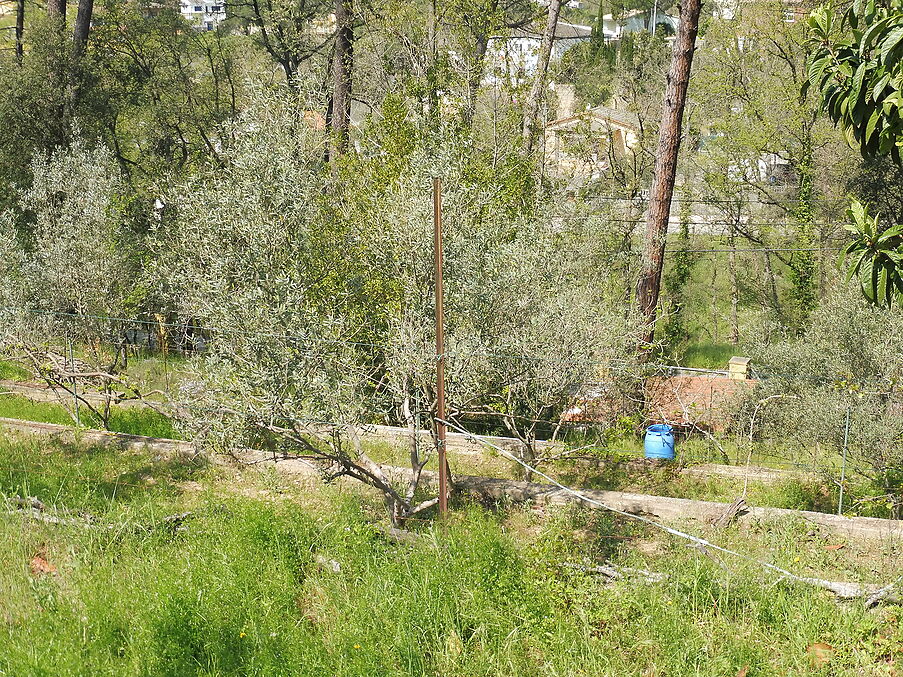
343,61
20,30
802,272
474,78
775,301
79,46
539,83
82,26
665,170
735,287
715,304
57,8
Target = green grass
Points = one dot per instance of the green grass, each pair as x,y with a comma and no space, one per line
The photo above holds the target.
618,469
131,420
93,479
10,371
19,407
153,371
239,591
707,355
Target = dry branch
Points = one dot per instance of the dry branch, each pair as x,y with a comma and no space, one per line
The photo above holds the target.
614,572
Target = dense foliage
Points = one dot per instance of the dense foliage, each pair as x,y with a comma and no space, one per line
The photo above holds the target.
859,74
197,185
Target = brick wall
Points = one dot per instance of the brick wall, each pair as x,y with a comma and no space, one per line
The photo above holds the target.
706,401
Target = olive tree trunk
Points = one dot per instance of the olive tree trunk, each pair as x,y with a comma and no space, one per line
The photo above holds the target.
665,170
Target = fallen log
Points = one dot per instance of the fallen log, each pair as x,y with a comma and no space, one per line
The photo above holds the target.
34,509
734,510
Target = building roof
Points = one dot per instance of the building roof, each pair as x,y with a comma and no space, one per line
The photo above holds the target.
604,114
563,31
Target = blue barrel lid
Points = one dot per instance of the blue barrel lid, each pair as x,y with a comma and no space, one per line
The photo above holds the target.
659,428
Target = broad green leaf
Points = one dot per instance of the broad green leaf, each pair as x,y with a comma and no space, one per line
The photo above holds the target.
892,40
872,32
881,289
870,127
880,86
867,278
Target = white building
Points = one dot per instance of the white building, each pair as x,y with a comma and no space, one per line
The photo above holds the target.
204,15
638,20
515,56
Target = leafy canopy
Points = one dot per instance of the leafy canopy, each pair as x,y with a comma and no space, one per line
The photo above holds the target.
857,67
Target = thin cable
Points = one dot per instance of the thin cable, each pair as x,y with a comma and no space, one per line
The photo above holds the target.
713,221
706,201
611,365
213,330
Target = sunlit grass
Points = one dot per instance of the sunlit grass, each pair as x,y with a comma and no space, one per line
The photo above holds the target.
10,371
707,355
241,589
130,420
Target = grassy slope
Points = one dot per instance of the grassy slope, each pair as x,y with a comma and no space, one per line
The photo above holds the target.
131,420
614,473
239,592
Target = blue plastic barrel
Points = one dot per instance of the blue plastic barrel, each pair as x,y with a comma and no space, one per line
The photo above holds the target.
659,441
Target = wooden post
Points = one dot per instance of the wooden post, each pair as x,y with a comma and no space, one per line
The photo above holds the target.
440,345
843,467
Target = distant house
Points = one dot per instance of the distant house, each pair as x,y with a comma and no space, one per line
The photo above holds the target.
578,145
204,15
515,57
615,28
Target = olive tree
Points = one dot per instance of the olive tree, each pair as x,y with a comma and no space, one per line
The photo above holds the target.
847,363
76,253
240,254
532,314
67,267
300,355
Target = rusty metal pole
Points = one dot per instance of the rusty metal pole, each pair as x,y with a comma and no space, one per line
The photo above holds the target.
440,345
